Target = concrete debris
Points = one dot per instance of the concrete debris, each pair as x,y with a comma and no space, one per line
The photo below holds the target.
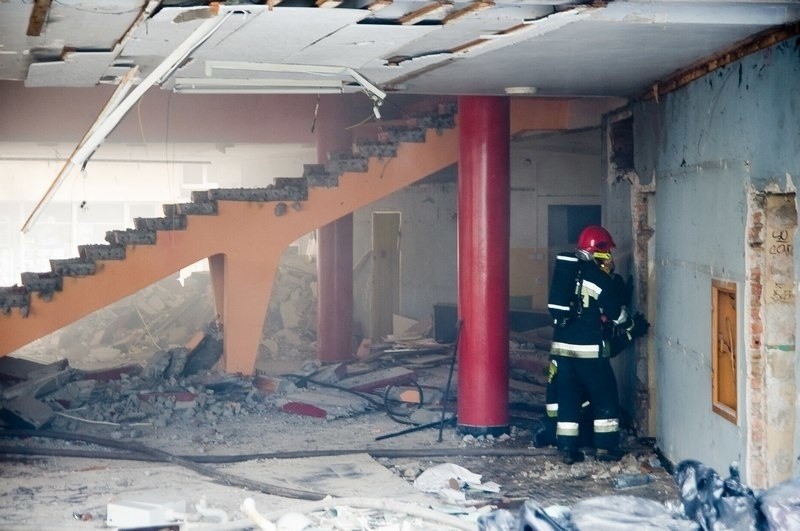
159,317
291,325
27,412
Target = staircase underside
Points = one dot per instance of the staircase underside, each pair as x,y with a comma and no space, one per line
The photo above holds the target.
246,238
243,240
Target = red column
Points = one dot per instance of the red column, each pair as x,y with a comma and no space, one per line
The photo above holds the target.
483,250
334,249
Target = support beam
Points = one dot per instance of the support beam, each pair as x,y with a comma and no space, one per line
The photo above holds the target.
38,17
335,249
483,260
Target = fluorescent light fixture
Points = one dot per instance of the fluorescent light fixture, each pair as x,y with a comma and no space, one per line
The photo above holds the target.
227,83
521,91
257,90
322,70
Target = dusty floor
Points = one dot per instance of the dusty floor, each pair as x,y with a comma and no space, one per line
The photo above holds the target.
283,460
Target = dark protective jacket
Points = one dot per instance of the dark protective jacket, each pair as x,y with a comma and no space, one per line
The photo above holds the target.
600,300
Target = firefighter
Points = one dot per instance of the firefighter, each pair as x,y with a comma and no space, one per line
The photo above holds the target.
581,348
618,339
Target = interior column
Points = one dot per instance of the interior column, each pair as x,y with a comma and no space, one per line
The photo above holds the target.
334,249
483,251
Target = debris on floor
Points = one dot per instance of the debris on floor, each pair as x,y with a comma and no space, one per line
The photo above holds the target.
161,419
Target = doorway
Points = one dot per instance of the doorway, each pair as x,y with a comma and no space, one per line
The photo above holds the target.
385,273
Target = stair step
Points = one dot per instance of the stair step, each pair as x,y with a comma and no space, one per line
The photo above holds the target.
94,252
156,224
43,283
202,208
131,237
296,188
339,163
405,134
15,297
371,148
445,120
317,176
73,267
200,196
286,192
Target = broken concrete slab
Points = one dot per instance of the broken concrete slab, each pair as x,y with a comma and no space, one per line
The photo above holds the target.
180,399
26,412
39,386
23,369
114,373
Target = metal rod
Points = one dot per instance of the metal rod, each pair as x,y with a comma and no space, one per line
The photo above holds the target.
450,377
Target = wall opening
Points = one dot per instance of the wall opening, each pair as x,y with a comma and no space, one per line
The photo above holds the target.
724,349
385,272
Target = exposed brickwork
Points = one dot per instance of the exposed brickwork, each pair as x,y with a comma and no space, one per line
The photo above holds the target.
754,329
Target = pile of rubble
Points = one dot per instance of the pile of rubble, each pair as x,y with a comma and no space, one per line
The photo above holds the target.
171,313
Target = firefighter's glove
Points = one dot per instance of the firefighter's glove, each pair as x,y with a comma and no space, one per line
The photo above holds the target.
639,327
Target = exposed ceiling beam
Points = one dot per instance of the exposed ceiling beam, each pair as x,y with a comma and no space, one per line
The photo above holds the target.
474,7
687,75
38,17
419,14
328,3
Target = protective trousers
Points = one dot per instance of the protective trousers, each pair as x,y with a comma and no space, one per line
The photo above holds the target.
548,437
578,377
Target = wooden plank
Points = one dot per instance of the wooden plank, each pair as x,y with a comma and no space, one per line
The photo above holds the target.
419,14
38,17
378,379
474,7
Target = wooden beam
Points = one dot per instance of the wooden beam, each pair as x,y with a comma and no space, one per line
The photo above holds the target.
38,17
473,7
415,16
706,66
377,5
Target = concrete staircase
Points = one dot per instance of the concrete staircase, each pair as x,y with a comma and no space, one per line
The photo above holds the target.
241,231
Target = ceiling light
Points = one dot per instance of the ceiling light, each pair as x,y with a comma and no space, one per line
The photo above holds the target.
257,90
521,91
230,83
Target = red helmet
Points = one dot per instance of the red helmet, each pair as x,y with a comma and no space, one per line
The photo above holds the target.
594,239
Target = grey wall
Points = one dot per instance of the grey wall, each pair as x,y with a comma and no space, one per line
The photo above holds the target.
562,168
705,145
427,247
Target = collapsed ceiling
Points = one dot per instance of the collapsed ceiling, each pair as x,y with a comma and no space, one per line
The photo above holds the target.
517,47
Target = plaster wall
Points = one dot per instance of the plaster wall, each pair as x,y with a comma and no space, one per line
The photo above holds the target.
547,169
709,146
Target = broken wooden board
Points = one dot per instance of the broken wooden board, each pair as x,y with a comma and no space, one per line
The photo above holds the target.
377,379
